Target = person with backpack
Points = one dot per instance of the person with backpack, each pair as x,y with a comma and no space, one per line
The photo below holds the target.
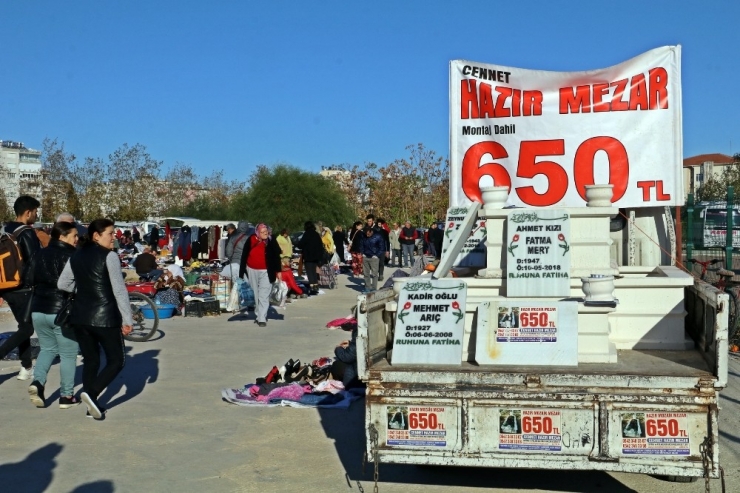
19,296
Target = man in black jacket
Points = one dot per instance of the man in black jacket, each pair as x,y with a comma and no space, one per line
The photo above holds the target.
19,299
154,239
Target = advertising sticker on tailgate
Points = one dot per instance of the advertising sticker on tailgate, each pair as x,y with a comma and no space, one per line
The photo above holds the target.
417,426
655,433
529,429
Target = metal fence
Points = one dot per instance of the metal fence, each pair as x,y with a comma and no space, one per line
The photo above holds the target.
704,232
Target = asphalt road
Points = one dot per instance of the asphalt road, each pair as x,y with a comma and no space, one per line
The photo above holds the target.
169,431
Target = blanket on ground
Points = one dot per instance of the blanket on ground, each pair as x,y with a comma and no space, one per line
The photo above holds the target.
284,397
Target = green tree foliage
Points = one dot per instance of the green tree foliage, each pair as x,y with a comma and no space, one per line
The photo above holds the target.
284,196
715,188
414,188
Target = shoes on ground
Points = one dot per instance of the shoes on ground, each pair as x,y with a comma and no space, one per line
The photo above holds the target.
262,324
273,376
25,374
67,402
93,409
102,415
36,394
304,295
380,278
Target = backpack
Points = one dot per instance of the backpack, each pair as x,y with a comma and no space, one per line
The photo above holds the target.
11,260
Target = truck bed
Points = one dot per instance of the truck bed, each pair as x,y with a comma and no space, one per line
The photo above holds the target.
630,363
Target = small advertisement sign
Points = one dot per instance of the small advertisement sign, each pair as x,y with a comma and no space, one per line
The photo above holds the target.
655,434
473,252
530,429
430,322
538,253
417,426
527,324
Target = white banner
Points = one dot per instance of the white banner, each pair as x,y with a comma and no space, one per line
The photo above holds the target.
547,135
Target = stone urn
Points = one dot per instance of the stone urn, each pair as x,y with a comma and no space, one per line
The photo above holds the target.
494,197
598,287
398,283
599,195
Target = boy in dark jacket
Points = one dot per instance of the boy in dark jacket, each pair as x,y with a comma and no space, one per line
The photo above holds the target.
373,251
19,299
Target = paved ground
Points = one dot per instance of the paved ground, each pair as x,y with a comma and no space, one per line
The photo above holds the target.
169,431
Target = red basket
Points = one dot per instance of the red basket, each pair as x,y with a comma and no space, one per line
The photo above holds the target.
146,288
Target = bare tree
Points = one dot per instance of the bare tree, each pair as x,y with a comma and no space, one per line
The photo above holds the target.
133,181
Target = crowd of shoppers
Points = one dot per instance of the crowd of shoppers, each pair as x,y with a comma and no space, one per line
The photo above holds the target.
88,279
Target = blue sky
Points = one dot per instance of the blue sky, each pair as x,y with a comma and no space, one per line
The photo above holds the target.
234,84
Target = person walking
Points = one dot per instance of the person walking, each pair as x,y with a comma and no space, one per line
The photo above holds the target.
43,275
234,249
383,230
101,313
19,299
356,237
435,240
154,238
312,250
260,261
393,238
373,251
340,243
408,238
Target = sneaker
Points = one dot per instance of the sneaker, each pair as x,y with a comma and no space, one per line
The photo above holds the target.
25,374
102,415
262,324
92,406
36,394
67,402
380,278
304,295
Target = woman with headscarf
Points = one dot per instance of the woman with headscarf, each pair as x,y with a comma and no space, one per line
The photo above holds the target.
101,313
312,249
260,261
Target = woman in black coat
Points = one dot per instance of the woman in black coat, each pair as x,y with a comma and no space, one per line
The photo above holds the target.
43,274
312,250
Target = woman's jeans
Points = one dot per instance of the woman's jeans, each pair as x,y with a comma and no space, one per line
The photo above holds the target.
54,343
260,282
91,339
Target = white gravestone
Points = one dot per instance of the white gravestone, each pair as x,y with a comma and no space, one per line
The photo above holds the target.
473,251
538,253
430,322
527,333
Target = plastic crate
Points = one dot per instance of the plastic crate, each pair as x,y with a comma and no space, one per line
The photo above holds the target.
202,308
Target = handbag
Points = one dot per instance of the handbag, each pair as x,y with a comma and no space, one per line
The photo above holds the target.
62,318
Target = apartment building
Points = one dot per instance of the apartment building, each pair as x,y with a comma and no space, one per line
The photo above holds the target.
20,170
